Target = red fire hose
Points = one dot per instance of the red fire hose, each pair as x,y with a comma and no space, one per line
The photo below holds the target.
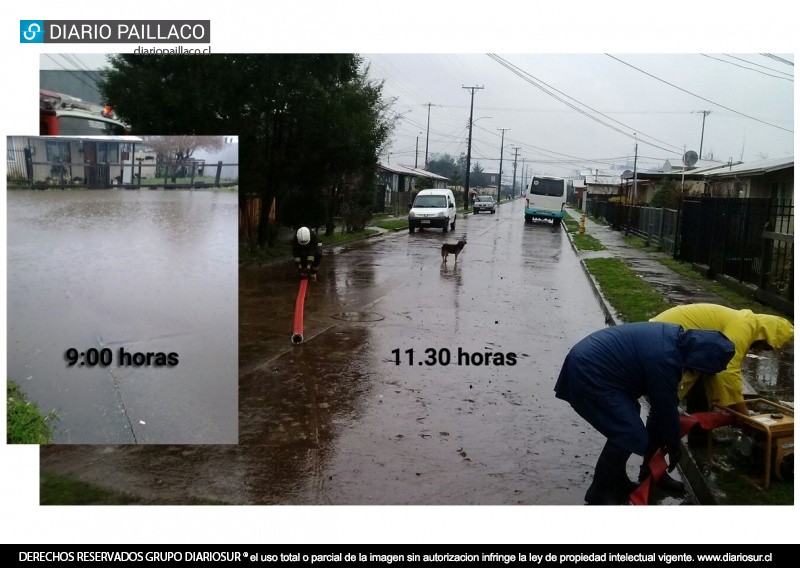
658,464
297,335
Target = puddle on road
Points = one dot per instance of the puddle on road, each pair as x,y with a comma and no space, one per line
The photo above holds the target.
358,316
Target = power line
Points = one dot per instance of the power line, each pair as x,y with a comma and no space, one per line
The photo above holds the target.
91,86
536,83
776,58
73,59
748,68
757,65
698,96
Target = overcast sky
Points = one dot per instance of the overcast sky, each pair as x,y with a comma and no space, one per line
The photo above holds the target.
568,112
573,112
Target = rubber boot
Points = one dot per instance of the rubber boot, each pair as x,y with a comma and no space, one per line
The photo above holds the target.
608,487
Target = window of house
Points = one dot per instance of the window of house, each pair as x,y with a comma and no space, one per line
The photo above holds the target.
57,151
107,152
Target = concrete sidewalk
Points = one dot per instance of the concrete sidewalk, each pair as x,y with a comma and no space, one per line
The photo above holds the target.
677,289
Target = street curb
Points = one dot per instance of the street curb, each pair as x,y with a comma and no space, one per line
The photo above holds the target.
696,481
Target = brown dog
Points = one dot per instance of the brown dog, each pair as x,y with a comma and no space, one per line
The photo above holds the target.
455,249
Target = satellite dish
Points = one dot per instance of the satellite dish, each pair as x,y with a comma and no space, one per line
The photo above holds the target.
627,174
690,158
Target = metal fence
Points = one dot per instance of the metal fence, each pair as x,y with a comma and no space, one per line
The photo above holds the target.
17,160
24,172
750,240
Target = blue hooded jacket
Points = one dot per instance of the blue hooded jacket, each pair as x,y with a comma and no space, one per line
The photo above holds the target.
605,374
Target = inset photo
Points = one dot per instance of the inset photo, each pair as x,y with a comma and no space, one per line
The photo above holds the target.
122,288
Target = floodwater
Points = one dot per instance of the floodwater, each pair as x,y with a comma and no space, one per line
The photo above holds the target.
437,388
418,382
146,271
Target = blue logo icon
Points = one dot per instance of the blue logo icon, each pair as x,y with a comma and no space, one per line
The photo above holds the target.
31,31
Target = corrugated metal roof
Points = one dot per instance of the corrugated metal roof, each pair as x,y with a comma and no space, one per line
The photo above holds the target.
398,169
757,167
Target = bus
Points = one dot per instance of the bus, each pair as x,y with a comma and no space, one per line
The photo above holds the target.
545,199
63,115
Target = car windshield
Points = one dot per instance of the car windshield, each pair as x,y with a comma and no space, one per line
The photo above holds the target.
487,198
430,201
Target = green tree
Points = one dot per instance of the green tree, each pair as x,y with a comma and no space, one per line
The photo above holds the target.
443,165
461,168
476,177
307,124
667,195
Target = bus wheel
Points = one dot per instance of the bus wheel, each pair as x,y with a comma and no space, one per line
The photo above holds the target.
556,222
411,229
529,218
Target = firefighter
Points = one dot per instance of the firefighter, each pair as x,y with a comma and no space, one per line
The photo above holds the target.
307,251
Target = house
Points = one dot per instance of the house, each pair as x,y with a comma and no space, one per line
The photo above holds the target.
396,182
601,183
771,177
96,162
693,181
579,186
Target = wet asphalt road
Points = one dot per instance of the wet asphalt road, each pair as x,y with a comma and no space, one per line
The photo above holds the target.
337,420
341,422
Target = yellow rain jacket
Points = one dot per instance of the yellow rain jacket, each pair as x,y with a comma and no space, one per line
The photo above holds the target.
743,327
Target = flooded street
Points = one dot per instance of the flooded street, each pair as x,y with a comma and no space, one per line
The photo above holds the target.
353,416
114,274
417,383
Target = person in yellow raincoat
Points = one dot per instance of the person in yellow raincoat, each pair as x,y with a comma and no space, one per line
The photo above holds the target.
745,329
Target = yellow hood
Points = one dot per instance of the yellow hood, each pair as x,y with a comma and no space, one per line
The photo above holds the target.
775,330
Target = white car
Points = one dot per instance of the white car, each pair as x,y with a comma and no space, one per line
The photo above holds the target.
433,208
483,203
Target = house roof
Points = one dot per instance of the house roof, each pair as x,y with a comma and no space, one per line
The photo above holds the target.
104,138
406,170
676,164
759,167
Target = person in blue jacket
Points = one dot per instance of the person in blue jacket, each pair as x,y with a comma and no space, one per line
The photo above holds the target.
606,373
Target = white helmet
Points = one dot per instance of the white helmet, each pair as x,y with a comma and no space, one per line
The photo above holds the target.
303,235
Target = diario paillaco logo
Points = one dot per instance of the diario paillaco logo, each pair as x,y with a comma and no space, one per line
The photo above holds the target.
115,31
31,31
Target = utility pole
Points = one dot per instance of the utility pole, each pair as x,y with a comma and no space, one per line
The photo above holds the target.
469,144
514,183
427,133
416,152
500,175
630,205
523,177
703,130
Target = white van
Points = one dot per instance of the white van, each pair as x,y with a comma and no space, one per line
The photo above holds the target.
434,208
546,199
